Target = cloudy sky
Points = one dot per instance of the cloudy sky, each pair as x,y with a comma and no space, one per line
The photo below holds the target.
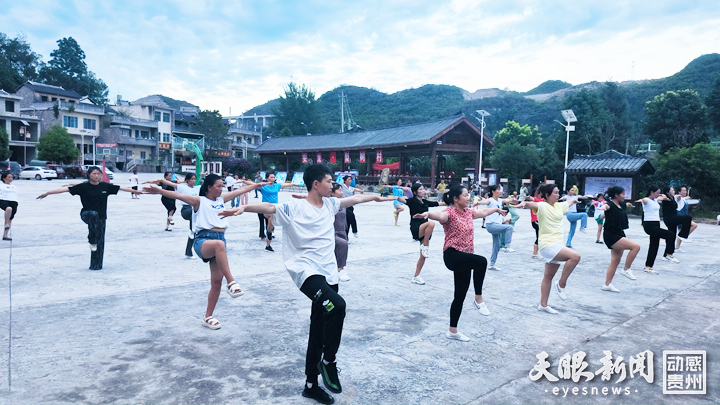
239,54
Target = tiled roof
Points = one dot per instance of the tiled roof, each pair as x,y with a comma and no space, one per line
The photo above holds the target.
411,134
48,89
158,100
611,161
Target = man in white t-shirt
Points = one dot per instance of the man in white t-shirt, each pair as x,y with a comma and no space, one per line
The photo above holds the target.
309,258
229,181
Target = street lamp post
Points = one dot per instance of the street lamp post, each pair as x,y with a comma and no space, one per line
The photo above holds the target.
570,118
25,137
482,114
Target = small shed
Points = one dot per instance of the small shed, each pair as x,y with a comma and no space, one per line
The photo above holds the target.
597,173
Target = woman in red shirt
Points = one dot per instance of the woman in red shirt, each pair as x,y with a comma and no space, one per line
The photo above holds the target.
458,252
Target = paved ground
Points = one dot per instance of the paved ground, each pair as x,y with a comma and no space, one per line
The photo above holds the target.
131,333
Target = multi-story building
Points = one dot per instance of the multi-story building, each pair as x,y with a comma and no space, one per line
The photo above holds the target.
23,130
245,132
132,142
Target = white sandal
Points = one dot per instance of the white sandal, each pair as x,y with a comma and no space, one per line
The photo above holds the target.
234,290
210,322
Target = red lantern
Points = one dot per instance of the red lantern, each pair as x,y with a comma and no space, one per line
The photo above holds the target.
378,157
304,158
362,156
347,157
318,158
333,158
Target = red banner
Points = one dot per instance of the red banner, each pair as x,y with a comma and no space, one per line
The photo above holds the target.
333,158
362,157
378,156
304,159
318,158
347,158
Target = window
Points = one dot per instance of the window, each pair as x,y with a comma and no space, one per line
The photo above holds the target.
166,137
145,134
157,115
43,98
142,155
9,106
70,122
54,99
137,133
166,117
88,123
125,132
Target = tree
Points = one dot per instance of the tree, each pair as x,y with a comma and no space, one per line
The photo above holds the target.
5,152
676,119
56,145
18,63
697,167
515,161
210,124
68,69
522,135
590,132
297,111
713,104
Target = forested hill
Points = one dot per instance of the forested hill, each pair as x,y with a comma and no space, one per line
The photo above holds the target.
373,109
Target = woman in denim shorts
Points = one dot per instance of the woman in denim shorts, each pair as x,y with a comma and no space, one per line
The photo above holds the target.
209,242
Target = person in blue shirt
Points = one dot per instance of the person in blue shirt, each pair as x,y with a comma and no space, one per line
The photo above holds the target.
399,192
269,195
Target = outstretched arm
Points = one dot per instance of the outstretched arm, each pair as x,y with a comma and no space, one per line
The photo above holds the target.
288,185
528,204
129,190
482,213
441,217
192,200
262,208
242,190
58,191
359,199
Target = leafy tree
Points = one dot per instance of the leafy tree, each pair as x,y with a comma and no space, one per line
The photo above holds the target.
68,69
589,136
713,103
515,161
211,125
697,167
676,119
286,131
549,86
56,145
296,107
5,152
514,133
18,63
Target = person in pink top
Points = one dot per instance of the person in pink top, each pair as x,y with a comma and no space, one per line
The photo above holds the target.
534,222
458,252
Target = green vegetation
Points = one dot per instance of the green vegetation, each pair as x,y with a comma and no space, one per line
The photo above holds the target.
56,145
677,119
4,145
549,86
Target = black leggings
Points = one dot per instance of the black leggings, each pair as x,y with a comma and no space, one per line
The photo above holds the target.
96,236
186,213
656,233
350,219
462,265
263,223
683,222
326,323
536,227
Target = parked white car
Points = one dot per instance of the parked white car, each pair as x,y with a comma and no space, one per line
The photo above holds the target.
37,173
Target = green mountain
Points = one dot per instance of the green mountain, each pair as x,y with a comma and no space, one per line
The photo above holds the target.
373,109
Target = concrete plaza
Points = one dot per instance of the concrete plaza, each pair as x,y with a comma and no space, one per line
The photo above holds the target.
132,334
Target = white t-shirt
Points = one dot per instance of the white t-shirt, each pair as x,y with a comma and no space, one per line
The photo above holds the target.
651,210
207,216
184,189
308,239
680,203
8,192
494,218
229,181
134,181
573,208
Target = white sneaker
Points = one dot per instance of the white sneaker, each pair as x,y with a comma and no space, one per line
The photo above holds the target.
482,308
560,291
190,257
649,270
507,250
417,280
583,230
680,250
628,273
344,276
670,258
93,247
425,250
191,234
355,234
493,267
685,240
547,309
457,336
610,288
535,257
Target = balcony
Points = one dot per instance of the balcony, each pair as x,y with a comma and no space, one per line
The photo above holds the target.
138,141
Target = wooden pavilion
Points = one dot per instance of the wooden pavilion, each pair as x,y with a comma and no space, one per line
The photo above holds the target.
599,172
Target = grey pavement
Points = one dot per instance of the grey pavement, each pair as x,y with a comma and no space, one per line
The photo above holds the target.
132,333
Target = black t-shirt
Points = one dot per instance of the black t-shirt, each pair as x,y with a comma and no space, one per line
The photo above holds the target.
94,198
669,211
169,188
616,219
418,207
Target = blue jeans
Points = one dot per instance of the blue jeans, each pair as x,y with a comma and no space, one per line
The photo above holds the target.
496,230
573,217
203,236
514,217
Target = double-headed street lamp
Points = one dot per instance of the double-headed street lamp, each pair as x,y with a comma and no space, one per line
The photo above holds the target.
569,118
482,114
